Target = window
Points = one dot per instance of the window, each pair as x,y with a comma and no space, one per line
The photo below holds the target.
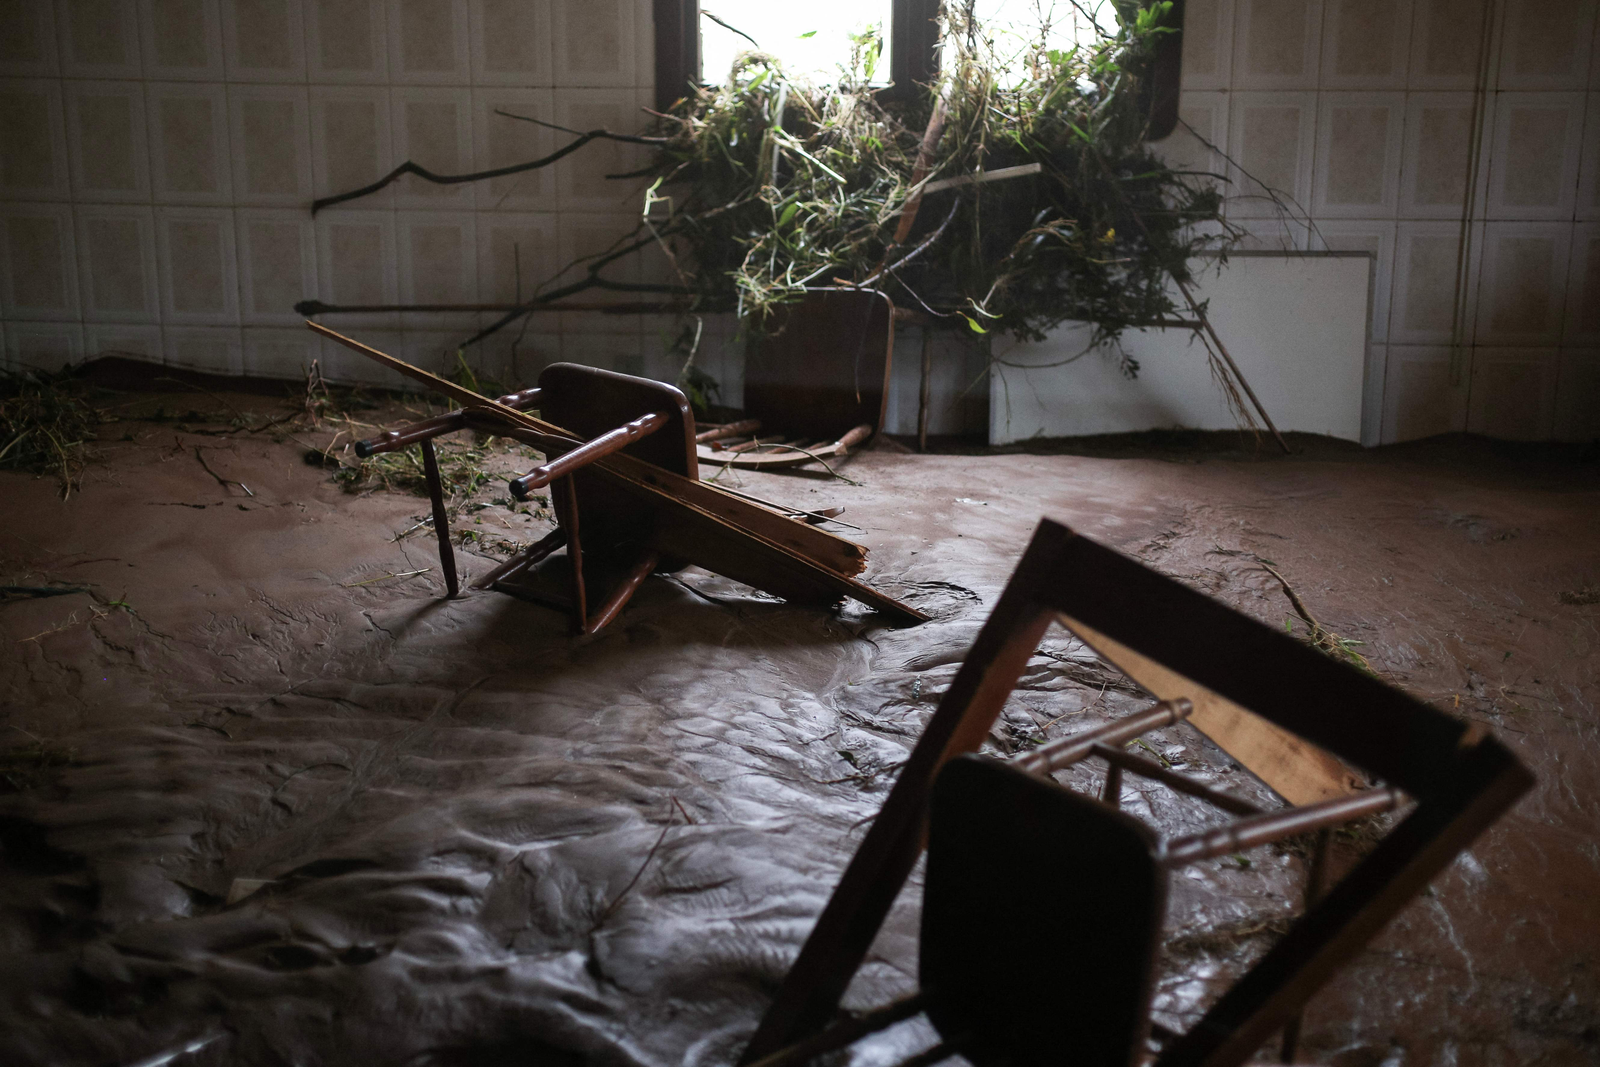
813,36
908,57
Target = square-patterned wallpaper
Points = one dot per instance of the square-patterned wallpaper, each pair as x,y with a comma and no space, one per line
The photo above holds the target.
1458,142
158,159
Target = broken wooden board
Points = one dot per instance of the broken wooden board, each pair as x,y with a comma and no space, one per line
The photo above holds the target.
779,456
689,530
1297,770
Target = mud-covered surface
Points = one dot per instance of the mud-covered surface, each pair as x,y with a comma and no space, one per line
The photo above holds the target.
268,799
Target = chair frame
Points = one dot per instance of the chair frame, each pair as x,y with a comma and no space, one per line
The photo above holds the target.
558,473
1461,779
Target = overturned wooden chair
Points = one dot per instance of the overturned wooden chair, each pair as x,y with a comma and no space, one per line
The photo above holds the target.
624,486
1302,720
816,383
611,412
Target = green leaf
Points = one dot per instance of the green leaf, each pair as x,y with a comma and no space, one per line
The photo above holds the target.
808,33
973,323
788,213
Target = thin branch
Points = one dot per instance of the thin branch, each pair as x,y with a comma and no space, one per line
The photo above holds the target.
408,167
917,251
731,29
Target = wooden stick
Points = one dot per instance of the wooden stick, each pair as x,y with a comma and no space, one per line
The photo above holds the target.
441,520
927,387
1205,321
982,176
732,429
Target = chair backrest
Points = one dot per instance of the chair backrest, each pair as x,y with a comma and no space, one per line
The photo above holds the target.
589,401
821,368
1041,919
1268,683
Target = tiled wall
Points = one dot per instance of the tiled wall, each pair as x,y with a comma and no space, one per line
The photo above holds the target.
158,159
1365,115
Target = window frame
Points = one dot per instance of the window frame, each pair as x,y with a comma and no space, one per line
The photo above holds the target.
913,59
913,31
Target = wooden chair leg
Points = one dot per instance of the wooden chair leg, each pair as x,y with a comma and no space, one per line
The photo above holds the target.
528,557
623,592
564,498
441,521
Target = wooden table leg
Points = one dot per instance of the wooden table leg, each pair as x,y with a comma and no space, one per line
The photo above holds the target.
564,497
441,521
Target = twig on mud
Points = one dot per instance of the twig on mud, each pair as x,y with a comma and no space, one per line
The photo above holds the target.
224,482
385,577
863,776
686,816
200,388
26,592
72,620
616,902
1225,936
1322,638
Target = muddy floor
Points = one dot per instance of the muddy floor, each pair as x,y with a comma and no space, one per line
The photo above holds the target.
268,799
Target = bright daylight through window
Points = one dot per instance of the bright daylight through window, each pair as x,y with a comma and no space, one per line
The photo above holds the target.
816,40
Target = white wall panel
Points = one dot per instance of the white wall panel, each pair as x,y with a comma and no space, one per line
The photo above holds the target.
107,142
1272,141
28,40
182,39
190,162
38,262
1523,283
429,42
1577,409
264,40
1365,44
99,38
45,346
117,263
511,43
1425,392
1538,140
1513,393
1359,143
1277,44
1545,44
347,41
1376,237
33,130
1295,325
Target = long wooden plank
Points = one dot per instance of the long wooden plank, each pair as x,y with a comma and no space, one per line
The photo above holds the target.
693,532
1297,770
836,554
830,550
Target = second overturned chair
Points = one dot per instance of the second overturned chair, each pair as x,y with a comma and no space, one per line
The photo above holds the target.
624,485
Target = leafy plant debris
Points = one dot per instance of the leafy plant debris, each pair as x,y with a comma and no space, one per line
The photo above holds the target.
47,425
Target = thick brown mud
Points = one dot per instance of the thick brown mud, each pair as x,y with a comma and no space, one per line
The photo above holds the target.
284,813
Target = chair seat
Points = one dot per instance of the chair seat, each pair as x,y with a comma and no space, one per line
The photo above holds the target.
1041,919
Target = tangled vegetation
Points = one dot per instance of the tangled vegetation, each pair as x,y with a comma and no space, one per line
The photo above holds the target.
47,425
766,185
